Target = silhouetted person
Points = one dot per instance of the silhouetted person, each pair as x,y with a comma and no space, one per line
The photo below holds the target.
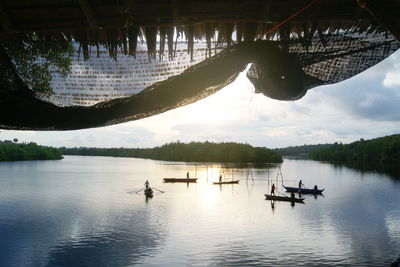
273,189
300,184
292,195
147,184
187,175
315,187
220,178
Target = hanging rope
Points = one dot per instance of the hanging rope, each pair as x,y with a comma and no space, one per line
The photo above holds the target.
281,193
274,28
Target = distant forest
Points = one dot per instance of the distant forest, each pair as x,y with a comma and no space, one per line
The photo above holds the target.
191,152
303,150
10,151
379,150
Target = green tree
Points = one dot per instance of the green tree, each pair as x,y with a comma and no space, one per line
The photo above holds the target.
34,58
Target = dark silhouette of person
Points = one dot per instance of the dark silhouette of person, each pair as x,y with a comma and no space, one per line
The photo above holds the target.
300,184
273,189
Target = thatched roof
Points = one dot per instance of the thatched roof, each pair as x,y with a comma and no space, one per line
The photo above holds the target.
305,43
118,23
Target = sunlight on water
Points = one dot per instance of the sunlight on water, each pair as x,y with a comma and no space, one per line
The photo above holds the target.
91,210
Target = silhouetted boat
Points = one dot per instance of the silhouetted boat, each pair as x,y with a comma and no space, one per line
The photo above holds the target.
148,192
180,180
304,190
283,198
227,182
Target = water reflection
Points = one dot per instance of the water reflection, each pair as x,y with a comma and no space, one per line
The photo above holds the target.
117,245
390,169
87,215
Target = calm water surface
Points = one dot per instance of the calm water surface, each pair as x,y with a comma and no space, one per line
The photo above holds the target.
83,211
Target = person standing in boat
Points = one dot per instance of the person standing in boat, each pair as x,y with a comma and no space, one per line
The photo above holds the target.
220,178
300,184
273,189
187,175
147,184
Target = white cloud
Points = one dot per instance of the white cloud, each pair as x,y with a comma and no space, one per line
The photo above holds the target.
392,79
392,76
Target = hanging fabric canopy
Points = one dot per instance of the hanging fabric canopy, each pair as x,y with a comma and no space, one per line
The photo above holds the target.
126,71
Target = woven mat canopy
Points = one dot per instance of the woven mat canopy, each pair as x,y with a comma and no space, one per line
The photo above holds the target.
293,45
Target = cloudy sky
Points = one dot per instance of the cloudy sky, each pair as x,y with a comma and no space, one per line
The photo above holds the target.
365,106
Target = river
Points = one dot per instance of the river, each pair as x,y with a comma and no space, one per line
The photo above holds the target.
84,211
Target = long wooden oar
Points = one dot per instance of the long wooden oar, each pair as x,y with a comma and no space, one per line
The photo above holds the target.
159,190
281,193
139,190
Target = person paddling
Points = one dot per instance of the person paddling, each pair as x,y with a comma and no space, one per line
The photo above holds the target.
273,189
147,184
300,184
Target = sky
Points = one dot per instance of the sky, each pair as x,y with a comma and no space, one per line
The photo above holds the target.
364,106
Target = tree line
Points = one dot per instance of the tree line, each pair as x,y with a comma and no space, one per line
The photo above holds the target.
303,150
379,150
190,152
31,151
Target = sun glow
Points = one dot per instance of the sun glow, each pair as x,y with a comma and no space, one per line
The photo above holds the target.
210,193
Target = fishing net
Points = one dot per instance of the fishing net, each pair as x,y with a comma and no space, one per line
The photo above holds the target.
304,63
103,88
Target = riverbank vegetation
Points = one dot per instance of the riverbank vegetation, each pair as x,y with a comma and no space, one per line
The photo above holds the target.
10,151
300,151
191,152
379,150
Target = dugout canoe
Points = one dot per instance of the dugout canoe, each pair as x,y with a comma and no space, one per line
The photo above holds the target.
283,198
227,182
304,190
180,180
148,192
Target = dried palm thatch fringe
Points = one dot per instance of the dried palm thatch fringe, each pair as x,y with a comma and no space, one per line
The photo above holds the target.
119,24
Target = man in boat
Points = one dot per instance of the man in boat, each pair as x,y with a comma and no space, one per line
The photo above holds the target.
220,178
300,184
273,189
315,187
147,184
187,175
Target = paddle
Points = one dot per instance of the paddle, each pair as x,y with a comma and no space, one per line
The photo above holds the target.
159,190
281,193
139,190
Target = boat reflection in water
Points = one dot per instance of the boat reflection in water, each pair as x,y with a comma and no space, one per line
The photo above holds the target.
84,218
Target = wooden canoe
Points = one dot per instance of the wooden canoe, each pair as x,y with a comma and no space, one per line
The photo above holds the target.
303,190
227,182
180,180
148,192
283,198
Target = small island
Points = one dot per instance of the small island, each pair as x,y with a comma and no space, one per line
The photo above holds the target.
190,152
10,151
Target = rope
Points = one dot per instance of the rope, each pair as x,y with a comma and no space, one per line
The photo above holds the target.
291,16
281,193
